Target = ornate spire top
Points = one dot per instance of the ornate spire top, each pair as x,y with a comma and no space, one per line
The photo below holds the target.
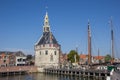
46,23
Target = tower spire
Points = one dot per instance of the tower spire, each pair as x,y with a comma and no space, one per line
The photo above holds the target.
46,27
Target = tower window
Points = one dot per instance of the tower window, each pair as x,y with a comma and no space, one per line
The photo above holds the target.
43,45
40,52
4,61
46,23
50,45
47,29
55,52
51,57
46,52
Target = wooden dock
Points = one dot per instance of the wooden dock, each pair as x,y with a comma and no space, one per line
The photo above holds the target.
78,72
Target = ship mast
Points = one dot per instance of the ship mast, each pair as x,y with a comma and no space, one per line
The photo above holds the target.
98,56
89,45
112,41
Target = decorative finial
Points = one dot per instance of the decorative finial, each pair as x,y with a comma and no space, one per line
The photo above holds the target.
46,8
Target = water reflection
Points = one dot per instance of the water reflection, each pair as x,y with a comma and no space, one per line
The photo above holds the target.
42,76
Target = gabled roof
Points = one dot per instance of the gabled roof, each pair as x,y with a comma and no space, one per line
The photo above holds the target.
47,38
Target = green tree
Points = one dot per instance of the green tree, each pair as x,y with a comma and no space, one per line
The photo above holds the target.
108,58
71,56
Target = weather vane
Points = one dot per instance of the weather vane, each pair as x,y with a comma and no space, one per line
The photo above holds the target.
46,8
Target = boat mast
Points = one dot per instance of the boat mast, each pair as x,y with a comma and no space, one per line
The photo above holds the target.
112,41
89,44
98,56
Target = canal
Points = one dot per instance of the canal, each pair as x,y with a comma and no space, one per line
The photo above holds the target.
43,76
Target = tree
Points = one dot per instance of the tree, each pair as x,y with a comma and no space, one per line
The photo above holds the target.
29,57
71,56
108,58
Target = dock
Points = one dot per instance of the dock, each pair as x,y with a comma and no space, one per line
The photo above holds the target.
78,72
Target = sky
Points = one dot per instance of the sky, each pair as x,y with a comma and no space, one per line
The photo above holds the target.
21,24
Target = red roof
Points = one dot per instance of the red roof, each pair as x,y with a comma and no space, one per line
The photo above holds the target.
83,56
98,57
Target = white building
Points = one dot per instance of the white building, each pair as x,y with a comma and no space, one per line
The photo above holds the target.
20,59
47,49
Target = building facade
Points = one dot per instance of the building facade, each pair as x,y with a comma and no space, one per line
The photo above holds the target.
47,49
98,59
12,59
8,58
20,58
83,59
4,59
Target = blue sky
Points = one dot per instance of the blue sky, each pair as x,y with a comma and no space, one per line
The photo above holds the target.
21,24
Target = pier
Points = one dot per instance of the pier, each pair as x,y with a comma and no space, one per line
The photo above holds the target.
78,72
14,70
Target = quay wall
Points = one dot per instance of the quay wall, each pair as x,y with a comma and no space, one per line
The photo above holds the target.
18,69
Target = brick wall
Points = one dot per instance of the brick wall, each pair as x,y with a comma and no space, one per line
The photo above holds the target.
30,69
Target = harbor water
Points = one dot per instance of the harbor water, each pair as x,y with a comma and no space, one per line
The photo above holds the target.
43,76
